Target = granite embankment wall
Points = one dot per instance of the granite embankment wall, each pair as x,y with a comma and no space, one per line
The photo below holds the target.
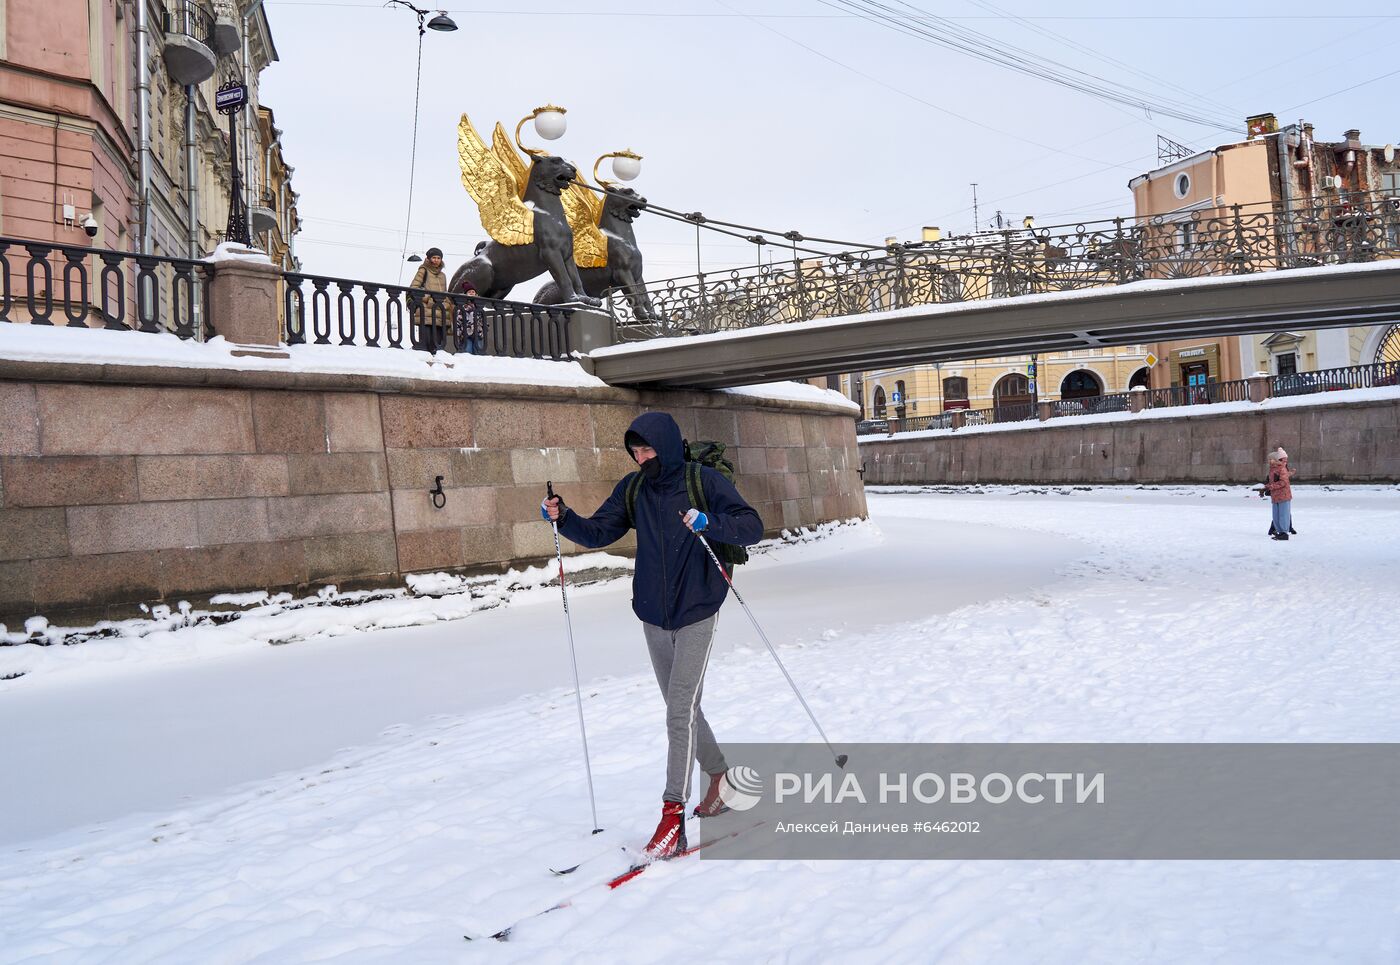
122,485
1329,440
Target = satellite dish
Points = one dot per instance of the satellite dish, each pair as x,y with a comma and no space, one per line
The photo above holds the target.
1388,152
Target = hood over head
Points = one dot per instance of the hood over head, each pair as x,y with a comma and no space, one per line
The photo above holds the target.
660,432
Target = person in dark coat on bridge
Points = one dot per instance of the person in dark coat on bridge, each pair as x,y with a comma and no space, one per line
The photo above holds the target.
676,593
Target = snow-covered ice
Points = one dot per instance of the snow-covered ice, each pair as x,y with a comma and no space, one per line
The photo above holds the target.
375,793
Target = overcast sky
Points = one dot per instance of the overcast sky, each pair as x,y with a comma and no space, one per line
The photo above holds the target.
789,114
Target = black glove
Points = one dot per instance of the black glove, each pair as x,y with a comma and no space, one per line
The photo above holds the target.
558,502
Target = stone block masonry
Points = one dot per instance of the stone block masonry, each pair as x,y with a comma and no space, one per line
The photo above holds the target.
1331,441
122,486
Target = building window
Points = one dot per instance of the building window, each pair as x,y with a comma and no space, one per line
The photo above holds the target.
952,287
1011,386
1288,363
1390,182
955,387
1080,384
1185,235
1141,377
1181,184
879,402
900,399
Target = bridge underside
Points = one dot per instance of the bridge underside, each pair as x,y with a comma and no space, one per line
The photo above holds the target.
1332,297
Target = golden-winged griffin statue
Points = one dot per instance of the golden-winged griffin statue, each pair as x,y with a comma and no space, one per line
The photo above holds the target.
619,268
527,207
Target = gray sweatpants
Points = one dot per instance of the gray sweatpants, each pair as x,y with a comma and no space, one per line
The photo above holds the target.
679,658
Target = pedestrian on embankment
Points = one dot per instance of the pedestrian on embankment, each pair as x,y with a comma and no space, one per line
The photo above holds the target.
1280,490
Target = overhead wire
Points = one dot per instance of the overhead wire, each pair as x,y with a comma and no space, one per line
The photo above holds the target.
985,48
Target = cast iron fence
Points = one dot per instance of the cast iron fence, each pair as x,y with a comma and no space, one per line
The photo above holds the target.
1235,390
341,311
1335,229
1333,380
191,18
45,283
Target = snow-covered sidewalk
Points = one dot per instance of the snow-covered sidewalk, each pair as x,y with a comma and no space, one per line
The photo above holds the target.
1004,615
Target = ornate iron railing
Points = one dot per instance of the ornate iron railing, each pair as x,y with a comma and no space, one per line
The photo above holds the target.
1217,241
191,18
1237,390
43,283
1333,380
342,311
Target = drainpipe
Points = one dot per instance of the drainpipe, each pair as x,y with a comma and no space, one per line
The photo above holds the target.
191,172
143,126
1285,176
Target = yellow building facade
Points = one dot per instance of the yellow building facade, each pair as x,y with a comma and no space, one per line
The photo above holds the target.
1281,171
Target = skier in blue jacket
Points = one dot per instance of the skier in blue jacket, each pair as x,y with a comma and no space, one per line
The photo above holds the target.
676,593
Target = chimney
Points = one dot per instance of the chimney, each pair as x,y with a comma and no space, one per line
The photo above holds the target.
932,233
1353,138
891,241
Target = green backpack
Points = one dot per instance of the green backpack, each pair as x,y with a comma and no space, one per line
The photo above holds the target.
703,453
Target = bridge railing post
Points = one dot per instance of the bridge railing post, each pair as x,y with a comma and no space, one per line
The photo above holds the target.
1239,257
901,291
1120,267
1261,386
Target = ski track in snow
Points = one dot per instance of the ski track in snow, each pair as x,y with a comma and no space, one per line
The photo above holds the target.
1172,618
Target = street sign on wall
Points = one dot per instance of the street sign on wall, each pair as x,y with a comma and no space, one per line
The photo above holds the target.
230,97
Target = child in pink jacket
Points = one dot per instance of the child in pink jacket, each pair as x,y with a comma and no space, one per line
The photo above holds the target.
1281,492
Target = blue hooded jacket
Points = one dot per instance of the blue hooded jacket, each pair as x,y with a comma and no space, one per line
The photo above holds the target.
675,583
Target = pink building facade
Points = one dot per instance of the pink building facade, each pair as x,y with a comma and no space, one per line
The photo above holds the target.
67,147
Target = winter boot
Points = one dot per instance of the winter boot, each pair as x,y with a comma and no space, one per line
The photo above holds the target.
1280,536
712,803
1292,531
1272,531
669,839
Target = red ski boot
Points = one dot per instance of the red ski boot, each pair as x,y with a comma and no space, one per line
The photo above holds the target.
712,803
669,839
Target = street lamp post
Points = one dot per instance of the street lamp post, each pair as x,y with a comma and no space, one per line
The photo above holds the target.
229,100
444,24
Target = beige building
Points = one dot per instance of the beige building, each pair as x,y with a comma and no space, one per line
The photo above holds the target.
272,217
1277,176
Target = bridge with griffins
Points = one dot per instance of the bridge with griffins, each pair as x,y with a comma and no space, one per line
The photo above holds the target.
1325,263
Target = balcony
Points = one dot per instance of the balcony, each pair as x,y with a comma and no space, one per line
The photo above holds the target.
226,36
262,213
189,38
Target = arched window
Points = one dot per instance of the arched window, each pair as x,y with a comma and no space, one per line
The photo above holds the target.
1080,384
955,389
1141,377
879,402
1011,386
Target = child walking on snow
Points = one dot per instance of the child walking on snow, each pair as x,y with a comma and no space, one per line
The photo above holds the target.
1281,492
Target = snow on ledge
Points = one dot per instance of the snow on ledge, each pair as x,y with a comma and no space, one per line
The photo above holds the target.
87,346
233,251
1388,393
795,392
39,343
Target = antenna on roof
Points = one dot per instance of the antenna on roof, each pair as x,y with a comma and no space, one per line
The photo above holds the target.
1169,151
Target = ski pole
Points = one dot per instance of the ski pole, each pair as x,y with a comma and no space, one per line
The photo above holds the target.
573,658
840,758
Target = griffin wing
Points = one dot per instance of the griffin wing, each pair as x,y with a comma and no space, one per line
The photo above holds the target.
510,159
494,189
584,209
